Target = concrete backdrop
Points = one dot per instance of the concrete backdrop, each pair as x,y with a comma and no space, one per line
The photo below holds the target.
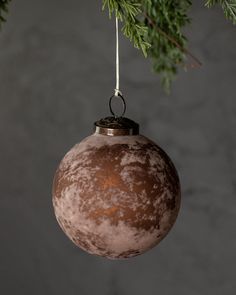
56,75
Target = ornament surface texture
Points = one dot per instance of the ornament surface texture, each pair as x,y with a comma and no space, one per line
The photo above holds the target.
116,196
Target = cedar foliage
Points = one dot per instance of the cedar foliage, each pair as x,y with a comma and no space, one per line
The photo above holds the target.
155,27
3,10
228,6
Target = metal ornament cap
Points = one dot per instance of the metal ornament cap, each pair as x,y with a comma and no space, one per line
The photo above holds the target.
116,126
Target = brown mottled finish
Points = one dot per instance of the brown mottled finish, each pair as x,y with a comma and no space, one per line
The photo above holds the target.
116,197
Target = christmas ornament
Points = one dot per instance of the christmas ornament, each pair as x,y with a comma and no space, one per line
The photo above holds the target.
116,193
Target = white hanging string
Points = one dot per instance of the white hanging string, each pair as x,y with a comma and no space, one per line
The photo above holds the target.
117,89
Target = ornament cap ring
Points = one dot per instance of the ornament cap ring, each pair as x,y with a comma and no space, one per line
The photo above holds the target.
112,126
123,102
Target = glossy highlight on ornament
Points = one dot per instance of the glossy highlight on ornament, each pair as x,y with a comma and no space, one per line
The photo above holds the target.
116,193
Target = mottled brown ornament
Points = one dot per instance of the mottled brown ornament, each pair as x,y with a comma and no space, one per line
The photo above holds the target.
116,194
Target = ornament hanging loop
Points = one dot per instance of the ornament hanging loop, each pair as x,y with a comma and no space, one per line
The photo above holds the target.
123,102
117,93
117,89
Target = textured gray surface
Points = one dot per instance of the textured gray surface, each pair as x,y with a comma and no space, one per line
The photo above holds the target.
56,73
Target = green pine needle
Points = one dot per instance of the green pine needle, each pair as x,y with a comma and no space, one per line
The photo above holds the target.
155,27
128,11
3,10
228,6
147,23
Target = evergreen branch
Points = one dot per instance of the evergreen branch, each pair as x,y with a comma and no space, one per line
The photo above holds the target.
155,27
128,11
165,20
228,6
196,61
3,9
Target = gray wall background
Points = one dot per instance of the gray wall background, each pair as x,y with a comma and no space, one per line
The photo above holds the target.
56,75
